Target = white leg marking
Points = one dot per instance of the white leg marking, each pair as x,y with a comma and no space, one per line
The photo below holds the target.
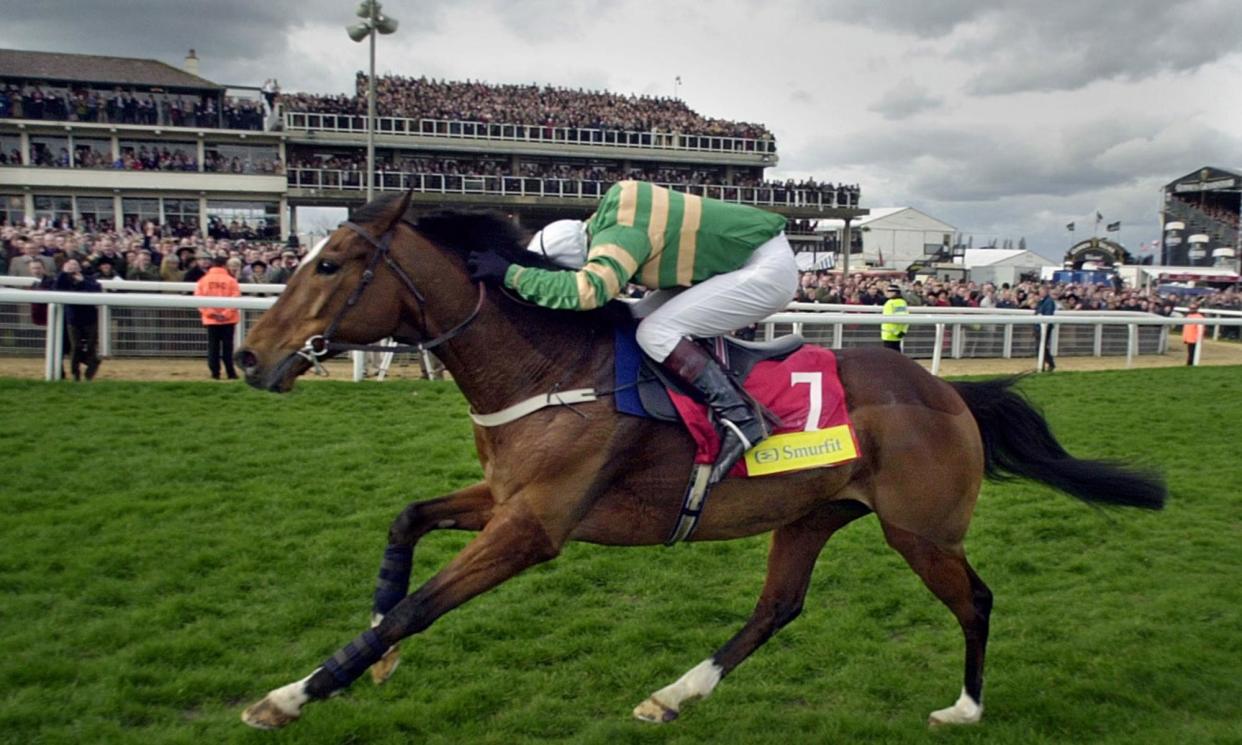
965,711
376,618
698,683
290,698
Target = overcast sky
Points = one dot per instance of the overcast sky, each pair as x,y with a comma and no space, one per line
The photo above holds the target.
1007,118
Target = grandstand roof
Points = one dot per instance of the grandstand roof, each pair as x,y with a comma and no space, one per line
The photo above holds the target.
90,68
1208,178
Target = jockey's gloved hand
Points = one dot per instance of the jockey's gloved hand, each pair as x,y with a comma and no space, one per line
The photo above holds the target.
487,266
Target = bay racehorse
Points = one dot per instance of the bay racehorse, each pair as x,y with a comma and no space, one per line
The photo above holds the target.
586,473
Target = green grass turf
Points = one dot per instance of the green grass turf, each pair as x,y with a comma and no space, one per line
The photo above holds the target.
170,552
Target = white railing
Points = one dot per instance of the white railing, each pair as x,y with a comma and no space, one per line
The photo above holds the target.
798,322
526,133
329,179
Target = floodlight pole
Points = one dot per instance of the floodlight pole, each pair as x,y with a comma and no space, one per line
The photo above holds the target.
371,107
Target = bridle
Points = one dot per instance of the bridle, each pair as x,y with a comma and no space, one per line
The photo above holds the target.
321,345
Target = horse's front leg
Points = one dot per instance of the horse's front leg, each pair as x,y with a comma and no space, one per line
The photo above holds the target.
512,540
467,509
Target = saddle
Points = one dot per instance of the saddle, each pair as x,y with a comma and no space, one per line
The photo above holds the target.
642,387
796,386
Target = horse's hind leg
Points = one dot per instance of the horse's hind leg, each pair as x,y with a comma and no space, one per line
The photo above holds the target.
791,560
947,574
467,509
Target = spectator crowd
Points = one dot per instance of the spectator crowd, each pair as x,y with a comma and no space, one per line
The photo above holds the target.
33,100
151,254
353,165
550,106
829,288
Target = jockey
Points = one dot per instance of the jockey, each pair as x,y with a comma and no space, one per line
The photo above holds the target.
715,266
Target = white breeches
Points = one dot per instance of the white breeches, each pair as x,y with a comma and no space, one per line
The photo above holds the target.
762,286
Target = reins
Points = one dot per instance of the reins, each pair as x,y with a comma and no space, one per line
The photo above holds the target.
320,345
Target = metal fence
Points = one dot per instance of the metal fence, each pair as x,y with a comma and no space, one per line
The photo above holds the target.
295,121
167,325
330,179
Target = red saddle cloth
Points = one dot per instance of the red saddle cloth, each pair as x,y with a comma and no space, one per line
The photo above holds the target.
790,388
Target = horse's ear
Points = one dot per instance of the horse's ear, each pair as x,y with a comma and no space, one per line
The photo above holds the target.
399,211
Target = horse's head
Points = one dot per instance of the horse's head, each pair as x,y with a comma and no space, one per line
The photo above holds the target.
352,293
278,347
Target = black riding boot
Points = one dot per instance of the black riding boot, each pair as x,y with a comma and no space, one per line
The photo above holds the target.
736,423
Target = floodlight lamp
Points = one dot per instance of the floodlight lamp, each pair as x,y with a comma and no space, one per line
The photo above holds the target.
358,31
364,8
385,24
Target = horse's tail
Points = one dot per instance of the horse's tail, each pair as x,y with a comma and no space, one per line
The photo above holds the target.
1018,443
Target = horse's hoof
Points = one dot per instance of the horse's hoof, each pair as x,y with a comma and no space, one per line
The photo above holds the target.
384,667
267,715
654,711
965,711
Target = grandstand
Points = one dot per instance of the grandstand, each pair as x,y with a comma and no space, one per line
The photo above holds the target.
113,142
1200,219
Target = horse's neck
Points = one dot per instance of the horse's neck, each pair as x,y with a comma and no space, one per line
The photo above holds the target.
511,352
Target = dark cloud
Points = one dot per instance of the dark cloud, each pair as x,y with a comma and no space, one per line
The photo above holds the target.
974,163
1049,45
905,99
238,41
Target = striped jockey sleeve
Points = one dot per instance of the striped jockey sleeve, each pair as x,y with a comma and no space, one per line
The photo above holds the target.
614,257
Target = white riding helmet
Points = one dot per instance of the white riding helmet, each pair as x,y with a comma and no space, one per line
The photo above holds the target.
564,242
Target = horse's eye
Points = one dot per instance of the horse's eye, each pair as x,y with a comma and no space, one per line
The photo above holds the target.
326,267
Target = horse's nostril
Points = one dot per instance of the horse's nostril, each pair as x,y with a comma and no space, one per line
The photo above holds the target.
247,359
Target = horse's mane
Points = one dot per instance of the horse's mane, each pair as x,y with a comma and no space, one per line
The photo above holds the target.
463,231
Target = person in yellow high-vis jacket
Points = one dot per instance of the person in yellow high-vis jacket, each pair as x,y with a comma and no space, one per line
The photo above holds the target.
892,333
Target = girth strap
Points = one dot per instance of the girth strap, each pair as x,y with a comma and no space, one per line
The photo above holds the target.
533,404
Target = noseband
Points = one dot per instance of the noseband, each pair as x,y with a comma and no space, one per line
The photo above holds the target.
320,345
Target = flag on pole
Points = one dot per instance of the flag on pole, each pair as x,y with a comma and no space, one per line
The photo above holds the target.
1113,227
1098,217
1070,227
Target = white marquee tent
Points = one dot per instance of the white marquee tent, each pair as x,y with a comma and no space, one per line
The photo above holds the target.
895,237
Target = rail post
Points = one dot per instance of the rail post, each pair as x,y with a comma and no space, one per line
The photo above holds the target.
54,342
105,331
937,349
1131,343
1039,353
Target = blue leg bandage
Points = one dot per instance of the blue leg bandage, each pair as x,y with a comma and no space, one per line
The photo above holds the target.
394,577
354,658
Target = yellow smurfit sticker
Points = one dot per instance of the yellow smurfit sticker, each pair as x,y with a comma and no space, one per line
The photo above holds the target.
794,451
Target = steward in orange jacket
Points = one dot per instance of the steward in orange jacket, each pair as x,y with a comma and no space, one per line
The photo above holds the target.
1192,334
217,282
219,322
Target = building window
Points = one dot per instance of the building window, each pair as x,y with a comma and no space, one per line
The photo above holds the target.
49,152
96,214
181,216
91,153
228,158
249,220
53,211
10,150
12,209
137,211
138,155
